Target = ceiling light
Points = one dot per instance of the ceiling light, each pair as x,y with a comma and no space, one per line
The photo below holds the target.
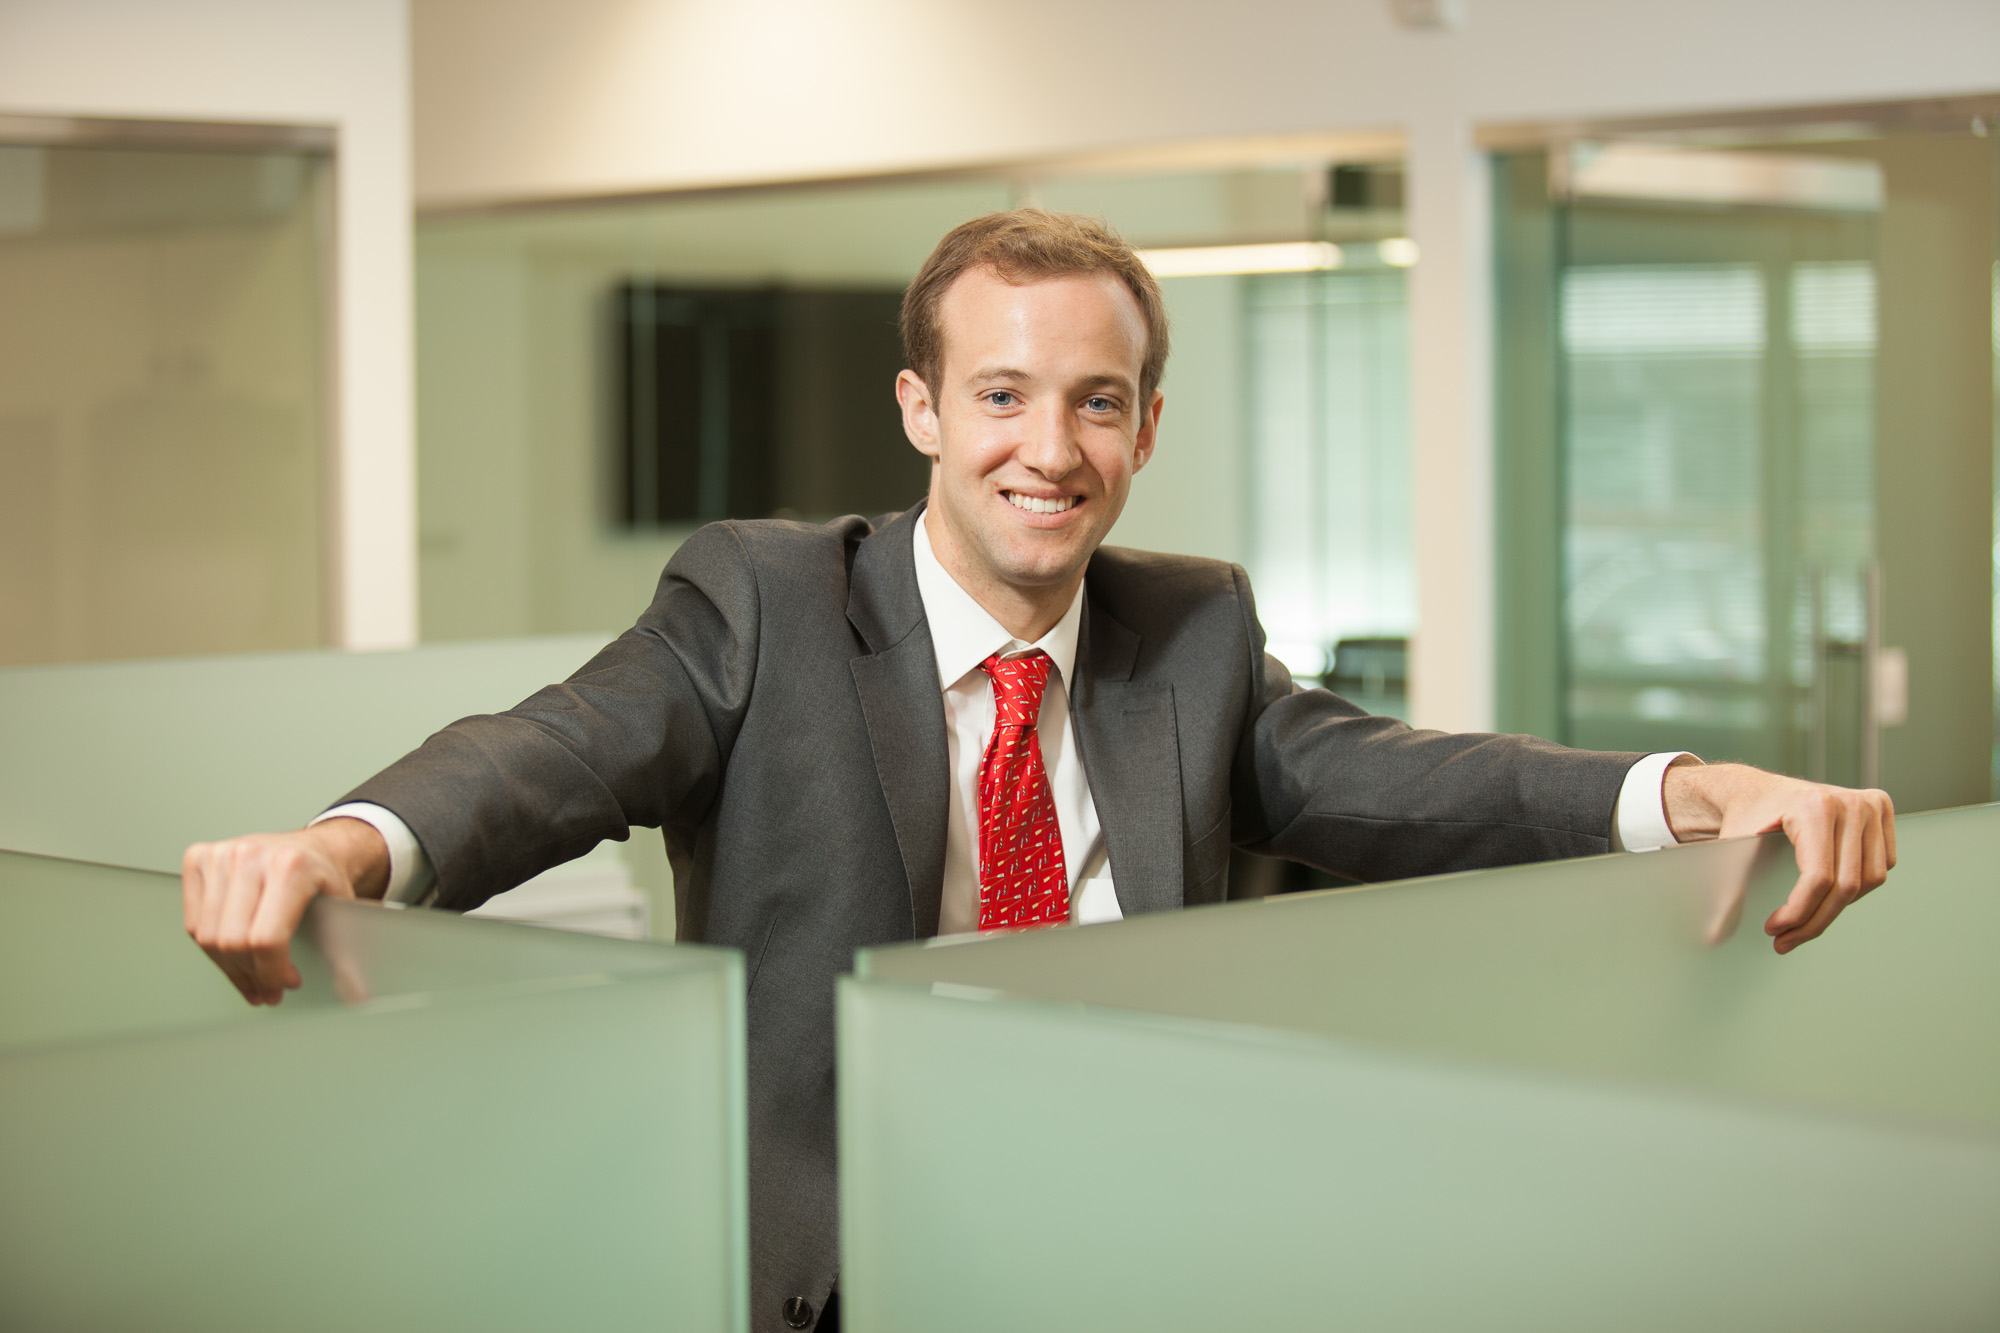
1397,252
1211,260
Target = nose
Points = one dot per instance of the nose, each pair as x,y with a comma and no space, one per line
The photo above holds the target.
1048,446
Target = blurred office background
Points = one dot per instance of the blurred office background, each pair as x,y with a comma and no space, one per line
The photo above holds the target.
1621,374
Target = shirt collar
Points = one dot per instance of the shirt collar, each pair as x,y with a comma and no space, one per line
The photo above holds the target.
963,635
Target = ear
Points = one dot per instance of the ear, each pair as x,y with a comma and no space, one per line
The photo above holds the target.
920,421
1149,432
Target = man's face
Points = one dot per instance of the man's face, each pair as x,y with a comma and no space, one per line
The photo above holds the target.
1036,426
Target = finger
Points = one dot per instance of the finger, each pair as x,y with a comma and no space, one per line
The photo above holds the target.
217,865
246,882
1874,848
267,958
289,888
1829,907
1814,834
217,862
1846,886
246,886
239,977
191,864
1849,880
1888,809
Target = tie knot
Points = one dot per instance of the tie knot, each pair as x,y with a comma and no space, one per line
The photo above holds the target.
1018,683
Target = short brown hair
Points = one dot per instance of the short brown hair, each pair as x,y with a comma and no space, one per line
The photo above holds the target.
1024,245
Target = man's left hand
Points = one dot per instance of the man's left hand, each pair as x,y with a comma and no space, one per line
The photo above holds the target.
1845,840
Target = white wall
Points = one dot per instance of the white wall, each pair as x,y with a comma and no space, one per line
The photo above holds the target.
525,98
329,62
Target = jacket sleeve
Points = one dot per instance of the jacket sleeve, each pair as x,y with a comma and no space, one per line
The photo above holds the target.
1315,779
638,736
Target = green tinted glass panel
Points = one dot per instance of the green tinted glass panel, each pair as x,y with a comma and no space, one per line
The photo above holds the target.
453,1124
1527,1098
189,750
1718,381
1746,443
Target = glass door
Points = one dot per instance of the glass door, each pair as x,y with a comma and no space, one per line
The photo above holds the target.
1718,458
1746,433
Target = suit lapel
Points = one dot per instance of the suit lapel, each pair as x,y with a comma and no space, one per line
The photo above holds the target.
903,705
1130,747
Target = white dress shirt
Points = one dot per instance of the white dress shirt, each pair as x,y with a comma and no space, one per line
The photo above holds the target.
962,636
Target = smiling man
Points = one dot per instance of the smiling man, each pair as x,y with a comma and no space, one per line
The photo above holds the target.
971,715
1051,403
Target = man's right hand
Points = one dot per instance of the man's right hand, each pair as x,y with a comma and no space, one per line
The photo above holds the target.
242,899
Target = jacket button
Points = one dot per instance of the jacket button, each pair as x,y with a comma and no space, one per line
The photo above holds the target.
798,1312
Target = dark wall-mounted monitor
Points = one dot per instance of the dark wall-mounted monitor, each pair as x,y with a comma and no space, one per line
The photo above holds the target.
755,402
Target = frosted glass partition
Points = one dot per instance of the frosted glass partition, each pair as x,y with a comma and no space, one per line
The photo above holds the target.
1528,1098
190,749
454,1124
187,749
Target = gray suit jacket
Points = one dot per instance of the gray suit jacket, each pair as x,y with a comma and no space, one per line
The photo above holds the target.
777,712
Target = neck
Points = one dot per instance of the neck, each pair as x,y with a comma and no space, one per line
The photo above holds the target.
1027,613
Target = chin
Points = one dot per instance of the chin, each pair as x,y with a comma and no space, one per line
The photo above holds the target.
1046,568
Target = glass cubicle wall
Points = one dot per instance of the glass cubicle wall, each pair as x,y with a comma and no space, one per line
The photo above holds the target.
163,392
190,750
1549,1096
453,1124
556,479
1747,439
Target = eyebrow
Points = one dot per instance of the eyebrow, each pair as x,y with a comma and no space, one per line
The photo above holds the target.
999,373
988,373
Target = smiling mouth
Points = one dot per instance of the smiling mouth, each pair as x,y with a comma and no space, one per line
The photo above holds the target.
1036,505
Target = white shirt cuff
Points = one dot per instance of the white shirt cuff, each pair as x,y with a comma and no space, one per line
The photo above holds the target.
1639,820
409,869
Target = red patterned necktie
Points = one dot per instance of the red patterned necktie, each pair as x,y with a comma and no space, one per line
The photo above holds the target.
1022,879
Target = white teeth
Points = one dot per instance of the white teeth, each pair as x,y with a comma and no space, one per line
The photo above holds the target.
1035,505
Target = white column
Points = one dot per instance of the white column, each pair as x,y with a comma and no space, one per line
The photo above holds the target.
322,62
1451,362
375,471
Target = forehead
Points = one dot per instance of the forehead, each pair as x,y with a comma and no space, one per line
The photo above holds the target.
1085,323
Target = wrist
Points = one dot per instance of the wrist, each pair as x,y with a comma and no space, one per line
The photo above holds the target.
1693,794
357,850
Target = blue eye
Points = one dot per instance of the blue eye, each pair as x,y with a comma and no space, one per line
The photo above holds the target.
1000,398
1099,403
